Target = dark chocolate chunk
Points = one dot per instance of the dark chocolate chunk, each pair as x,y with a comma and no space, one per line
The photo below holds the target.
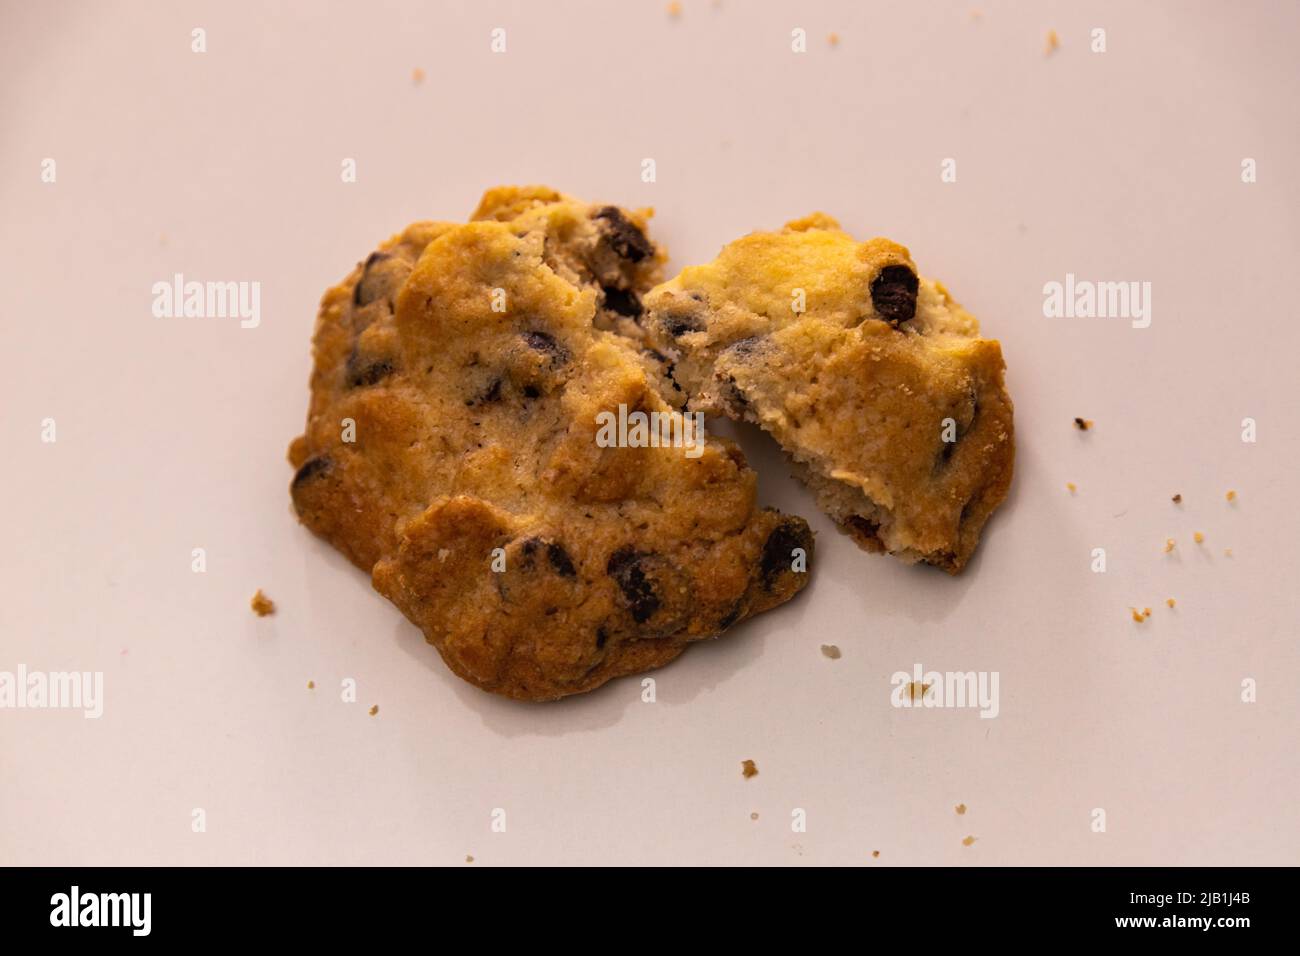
625,567
546,344
678,324
363,293
601,638
622,301
778,551
560,560
364,371
311,468
893,293
627,241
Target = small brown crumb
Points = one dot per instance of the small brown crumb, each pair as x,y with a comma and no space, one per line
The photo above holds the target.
753,816
833,39
1169,545
875,854
1231,495
1177,499
831,651
968,841
1198,537
417,75
748,769
261,604
1146,612
311,685
960,808
1072,487
1170,602
1083,424
468,858
915,693
1053,42
374,710
1137,615
1227,552
674,9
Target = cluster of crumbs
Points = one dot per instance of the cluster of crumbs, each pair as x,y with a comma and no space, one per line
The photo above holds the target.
748,769
1142,615
261,604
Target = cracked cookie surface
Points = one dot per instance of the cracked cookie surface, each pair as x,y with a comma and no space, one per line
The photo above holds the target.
873,380
472,361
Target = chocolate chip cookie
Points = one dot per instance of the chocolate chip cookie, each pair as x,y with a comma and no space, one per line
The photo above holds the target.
451,450
873,379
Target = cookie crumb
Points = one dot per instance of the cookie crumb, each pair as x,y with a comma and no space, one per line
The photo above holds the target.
960,808
1177,499
1227,552
1146,612
753,816
1083,424
968,841
1170,602
417,75
311,685
1072,487
674,9
374,710
833,39
1053,43
1198,537
468,858
875,854
1169,545
748,769
1137,615
912,691
261,604
831,651
1231,495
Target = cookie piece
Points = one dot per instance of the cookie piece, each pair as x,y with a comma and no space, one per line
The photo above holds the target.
451,450
872,379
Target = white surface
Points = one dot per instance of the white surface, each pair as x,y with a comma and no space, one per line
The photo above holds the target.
171,433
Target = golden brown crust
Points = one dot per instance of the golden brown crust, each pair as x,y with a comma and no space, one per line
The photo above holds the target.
451,451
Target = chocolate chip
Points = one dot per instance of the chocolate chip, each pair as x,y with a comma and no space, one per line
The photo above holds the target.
601,638
622,301
627,241
732,616
545,343
679,324
778,550
362,372
311,468
363,293
560,560
893,293
625,567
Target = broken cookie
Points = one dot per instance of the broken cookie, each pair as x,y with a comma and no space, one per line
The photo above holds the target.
873,380
452,451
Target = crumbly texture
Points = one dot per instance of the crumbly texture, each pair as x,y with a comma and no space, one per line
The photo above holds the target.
538,563
261,604
748,769
880,390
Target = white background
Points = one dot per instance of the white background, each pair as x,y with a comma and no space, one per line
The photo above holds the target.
172,432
